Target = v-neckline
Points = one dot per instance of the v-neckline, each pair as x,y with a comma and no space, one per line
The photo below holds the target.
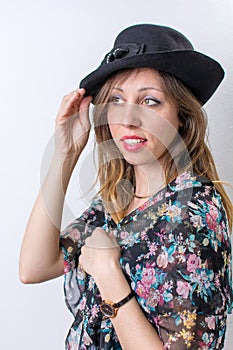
141,208
167,190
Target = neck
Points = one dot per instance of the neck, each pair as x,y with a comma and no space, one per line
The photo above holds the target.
149,179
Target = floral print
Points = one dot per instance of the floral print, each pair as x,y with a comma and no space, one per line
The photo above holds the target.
176,256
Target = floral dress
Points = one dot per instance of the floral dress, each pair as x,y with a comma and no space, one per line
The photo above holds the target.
176,256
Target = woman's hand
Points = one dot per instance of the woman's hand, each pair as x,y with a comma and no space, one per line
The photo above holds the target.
100,255
100,258
73,124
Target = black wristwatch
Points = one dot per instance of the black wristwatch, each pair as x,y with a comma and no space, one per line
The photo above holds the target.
109,309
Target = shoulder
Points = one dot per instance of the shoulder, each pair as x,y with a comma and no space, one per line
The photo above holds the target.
190,182
191,188
95,210
73,236
200,204
204,217
92,217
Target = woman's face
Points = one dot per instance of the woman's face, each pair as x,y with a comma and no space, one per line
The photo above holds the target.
143,121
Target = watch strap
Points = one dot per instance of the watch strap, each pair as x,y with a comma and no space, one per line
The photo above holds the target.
125,300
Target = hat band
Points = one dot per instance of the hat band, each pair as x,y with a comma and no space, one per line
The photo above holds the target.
132,49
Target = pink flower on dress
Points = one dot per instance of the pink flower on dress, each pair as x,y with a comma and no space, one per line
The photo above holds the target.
82,305
148,276
152,248
193,263
144,234
211,222
153,298
66,267
74,234
211,322
182,177
212,216
184,181
162,260
183,289
86,338
143,206
94,312
124,234
141,290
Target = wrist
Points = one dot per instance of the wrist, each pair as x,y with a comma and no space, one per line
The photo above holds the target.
112,284
63,165
68,160
110,309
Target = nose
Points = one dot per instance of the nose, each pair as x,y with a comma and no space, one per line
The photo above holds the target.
131,116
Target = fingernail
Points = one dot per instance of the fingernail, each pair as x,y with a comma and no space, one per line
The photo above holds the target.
81,90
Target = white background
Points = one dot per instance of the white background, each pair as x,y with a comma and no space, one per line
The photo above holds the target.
46,48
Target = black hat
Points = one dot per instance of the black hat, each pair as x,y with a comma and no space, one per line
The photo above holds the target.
162,48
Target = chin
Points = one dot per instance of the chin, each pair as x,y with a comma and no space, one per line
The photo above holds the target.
141,161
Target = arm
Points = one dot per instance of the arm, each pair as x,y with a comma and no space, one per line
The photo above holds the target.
100,258
133,329
41,258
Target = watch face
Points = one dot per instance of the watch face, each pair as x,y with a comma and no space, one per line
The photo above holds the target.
107,309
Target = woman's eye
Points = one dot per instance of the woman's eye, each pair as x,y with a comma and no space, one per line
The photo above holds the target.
116,100
149,101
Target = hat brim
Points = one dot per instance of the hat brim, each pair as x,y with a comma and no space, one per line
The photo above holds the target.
200,73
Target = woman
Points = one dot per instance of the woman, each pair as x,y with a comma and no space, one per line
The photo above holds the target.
148,264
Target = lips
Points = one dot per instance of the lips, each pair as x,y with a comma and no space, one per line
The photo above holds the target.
133,143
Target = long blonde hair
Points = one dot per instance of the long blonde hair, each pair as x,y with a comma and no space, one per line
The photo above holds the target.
116,176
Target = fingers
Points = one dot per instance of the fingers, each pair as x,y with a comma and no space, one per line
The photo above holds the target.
113,238
71,104
85,103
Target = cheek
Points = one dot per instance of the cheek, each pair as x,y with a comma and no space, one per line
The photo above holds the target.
114,130
176,122
114,120
163,130
114,114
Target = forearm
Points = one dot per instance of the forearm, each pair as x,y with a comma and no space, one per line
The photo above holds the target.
133,329
41,257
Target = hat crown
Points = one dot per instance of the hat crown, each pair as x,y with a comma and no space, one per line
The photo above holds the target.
164,49
163,37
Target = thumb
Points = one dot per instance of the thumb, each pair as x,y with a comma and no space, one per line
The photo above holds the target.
113,238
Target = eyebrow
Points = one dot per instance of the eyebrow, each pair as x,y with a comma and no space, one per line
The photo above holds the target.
140,90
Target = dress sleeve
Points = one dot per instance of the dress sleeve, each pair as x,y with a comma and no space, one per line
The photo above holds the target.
73,237
183,283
